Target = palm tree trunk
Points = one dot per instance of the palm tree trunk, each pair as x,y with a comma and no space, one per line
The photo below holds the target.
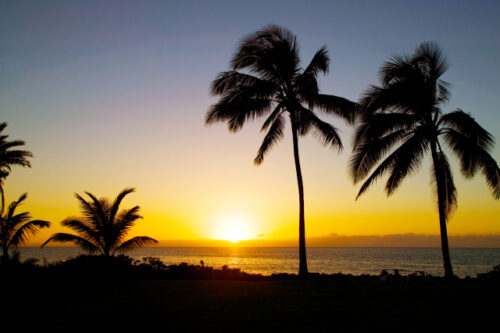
2,194
302,224
5,255
441,192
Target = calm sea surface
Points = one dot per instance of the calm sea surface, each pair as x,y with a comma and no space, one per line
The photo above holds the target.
266,260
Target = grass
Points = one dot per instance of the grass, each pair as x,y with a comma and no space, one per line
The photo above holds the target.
250,306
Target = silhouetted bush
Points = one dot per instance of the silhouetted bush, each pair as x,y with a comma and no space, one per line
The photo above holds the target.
15,268
493,275
92,266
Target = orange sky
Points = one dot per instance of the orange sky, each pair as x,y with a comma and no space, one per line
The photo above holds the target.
221,195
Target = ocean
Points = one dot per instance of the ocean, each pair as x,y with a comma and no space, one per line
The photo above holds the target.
265,260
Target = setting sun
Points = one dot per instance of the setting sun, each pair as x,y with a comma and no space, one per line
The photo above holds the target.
233,229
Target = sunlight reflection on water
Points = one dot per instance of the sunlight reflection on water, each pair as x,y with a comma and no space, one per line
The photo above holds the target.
324,260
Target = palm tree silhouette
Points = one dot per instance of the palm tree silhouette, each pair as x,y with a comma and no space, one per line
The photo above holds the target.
15,229
102,228
403,121
9,157
274,85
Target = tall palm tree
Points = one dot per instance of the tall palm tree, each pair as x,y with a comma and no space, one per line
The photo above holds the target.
102,227
403,121
15,229
8,158
274,85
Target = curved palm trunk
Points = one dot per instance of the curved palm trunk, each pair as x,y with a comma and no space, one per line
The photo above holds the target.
302,224
441,192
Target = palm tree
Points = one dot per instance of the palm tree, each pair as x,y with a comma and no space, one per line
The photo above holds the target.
273,86
15,229
102,227
9,157
403,121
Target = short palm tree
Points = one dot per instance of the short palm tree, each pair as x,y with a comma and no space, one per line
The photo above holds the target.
102,227
15,229
403,121
274,85
10,157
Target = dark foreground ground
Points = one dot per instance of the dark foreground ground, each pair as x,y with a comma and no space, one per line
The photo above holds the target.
255,306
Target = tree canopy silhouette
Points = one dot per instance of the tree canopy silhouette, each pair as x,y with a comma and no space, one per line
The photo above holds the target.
403,121
10,157
102,227
275,86
15,229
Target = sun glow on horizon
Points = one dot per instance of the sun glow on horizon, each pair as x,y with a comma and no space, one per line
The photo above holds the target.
233,229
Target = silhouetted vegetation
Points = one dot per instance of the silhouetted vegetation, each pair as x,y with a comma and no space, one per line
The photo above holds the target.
494,274
9,158
98,267
103,227
15,229
278,88
403,121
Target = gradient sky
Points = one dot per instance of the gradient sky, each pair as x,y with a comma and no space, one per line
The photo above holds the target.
110,94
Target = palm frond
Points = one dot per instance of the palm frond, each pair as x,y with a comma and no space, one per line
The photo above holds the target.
274,134
473,157
98,211
227,82
430,59
271,52
367,154
125,220
278,110
338,106
466,125
13,206
135,242
306,82
401,96
319,63
237,111
376,126
408,160
326,133
444,92
18,219
395,68
466,149
397,158
83,228
28,229
491,173
90,212
382,168
307,87
69,238
118,200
